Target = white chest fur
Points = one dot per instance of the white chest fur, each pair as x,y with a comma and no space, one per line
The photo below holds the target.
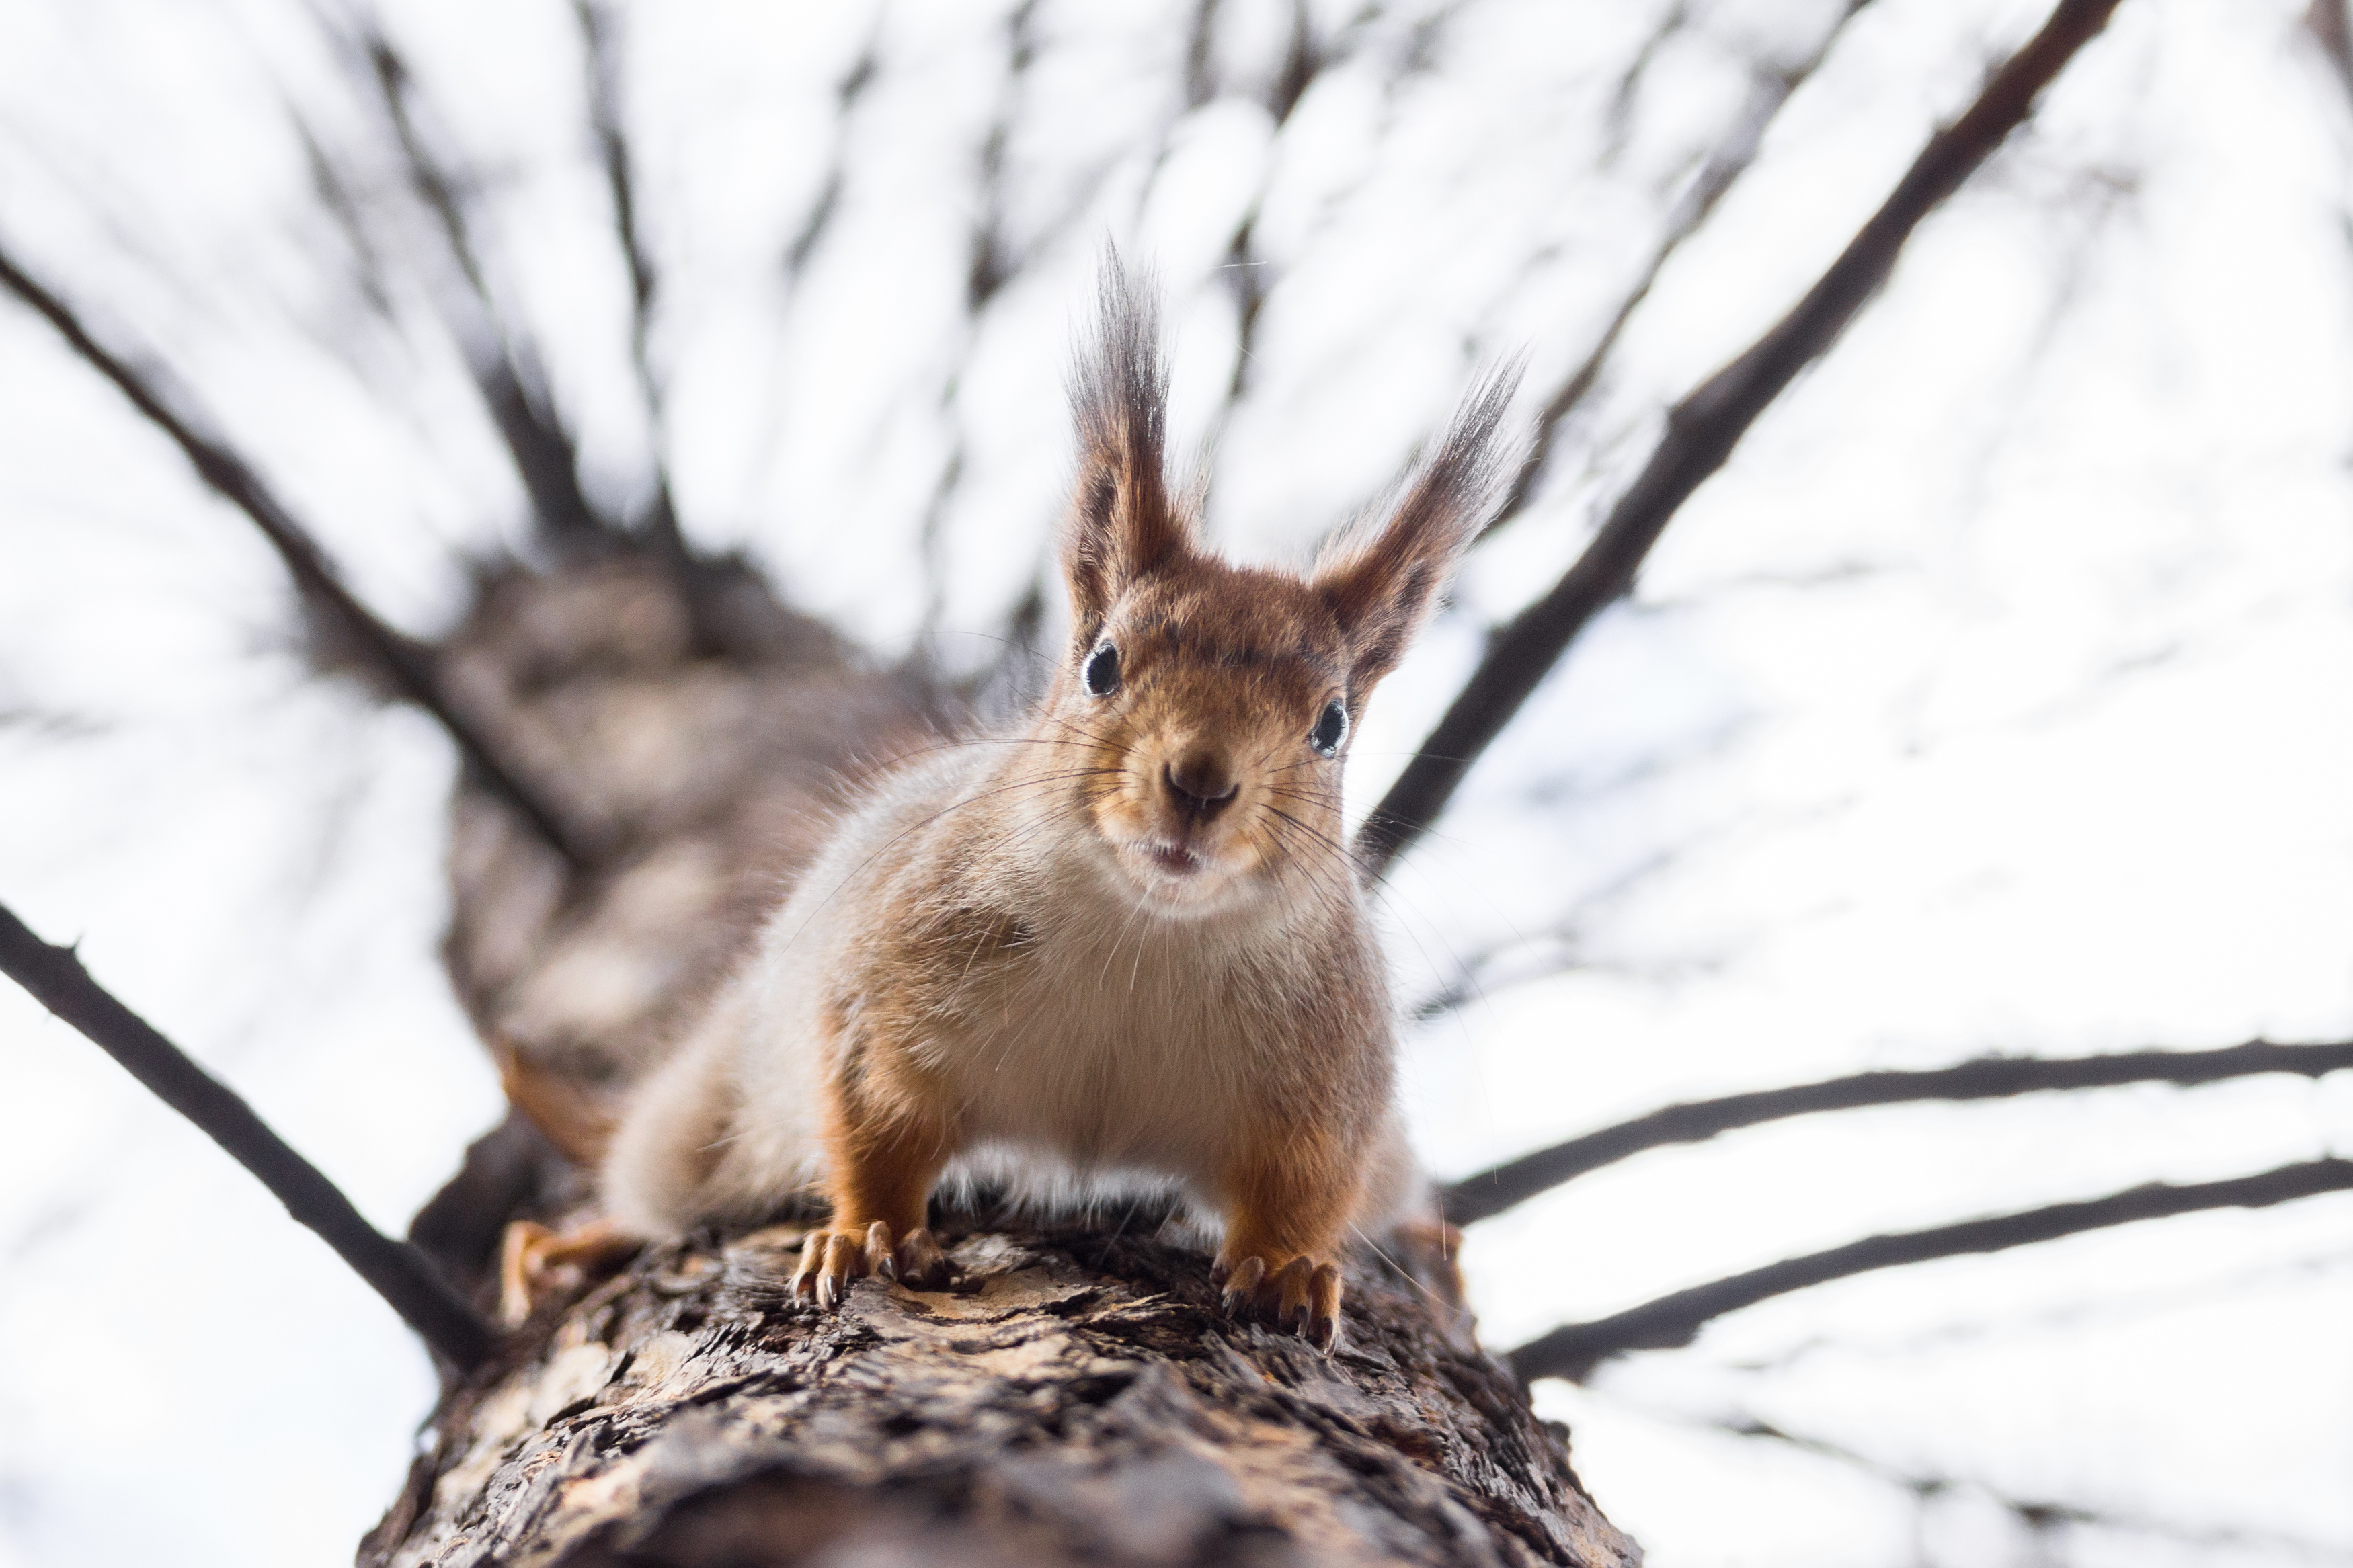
1114,1043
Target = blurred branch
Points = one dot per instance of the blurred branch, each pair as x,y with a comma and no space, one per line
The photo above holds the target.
1701,433
2040,1515
1491,1192
1574,1349
847,92
1617,119
496,347
2130,1304
394,1270
695,585
1200,63
604,64
991,261
1732,158
1303,61
2328,22
407,667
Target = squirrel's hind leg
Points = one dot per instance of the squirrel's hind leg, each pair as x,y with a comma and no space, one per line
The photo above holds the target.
534,1260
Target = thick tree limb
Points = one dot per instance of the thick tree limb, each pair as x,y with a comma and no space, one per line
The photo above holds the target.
394,1270
1491,1192
1701,433
409,668
1088,1404
1574,1349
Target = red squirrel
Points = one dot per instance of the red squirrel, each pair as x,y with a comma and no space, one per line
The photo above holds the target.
1126,937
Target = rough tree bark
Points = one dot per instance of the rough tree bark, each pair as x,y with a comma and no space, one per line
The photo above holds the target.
1085,1403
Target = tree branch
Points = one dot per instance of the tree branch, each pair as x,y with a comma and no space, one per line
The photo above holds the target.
1491,1192
394,1270
408,666
1701,433
1574,1349
2040,1515
2332,29
660,529
496,344
1725,165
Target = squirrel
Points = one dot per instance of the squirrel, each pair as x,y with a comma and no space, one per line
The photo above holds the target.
1125,937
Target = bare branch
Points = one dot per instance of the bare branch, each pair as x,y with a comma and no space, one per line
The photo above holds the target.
847,92
991,261
394,1269
612,142
1725,165
990,264
1200,63
2326,21
1701,433
1574,1349
1303,60
698,588
408,666
1491,1192
2041,1515
498,349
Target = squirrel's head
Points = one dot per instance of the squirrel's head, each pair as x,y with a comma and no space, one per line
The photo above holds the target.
1203,711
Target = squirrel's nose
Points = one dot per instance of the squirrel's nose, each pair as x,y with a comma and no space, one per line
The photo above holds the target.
1199,784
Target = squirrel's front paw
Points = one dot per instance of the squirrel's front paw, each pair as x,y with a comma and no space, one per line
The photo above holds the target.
830,1260
1302,1295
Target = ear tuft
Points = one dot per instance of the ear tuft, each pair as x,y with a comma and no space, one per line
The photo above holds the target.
1383,578
1122,523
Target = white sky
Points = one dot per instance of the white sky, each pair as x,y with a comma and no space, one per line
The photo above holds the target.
1998,697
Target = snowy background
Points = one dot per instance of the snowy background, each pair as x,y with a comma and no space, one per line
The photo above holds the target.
1998,696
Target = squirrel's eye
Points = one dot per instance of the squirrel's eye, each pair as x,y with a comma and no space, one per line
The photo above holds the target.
1100,674
1330,729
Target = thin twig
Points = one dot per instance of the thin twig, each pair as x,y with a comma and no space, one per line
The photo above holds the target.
2332,29
1574,1349
1701,433
664,537
394,1269
1491,1192
1723,169
2041,1515
826,205
495,340
408,666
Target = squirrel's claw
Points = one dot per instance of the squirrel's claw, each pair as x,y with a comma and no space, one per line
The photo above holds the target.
920,1265
1242,1285
1301,1296
877,1256
1322,1327
831,1259
843,1263
1289,1289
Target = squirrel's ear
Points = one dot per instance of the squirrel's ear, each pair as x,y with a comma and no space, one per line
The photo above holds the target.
1123,523
1382,577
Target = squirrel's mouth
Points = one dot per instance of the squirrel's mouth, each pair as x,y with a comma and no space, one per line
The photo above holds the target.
1172,859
